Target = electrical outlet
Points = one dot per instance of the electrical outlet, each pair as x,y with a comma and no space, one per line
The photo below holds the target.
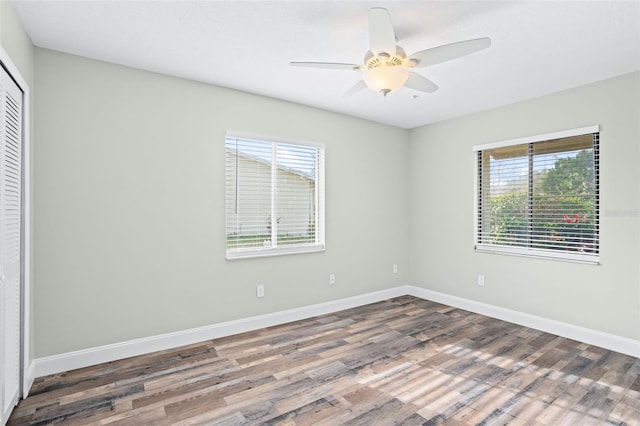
395,269
332,279
260,290
481,280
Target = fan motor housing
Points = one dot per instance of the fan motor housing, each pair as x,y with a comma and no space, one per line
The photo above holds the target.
400,59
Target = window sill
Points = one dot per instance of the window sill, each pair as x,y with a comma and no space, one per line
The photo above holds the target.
592,259
269,252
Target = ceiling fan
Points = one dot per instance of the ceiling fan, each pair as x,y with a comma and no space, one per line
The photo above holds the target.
387,67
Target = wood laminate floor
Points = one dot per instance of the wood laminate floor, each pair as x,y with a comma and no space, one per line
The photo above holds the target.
403,361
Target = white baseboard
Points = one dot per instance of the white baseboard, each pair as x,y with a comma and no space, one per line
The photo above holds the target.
593,337
87,357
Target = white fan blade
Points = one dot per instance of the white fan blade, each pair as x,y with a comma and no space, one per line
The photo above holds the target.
382,38
447,52
356,88
420,83
326,65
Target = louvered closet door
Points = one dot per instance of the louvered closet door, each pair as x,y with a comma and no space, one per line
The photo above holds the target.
10,237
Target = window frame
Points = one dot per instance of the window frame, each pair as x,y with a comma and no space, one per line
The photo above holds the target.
286,249
539,253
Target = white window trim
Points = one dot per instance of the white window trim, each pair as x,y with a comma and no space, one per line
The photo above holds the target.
278,251
263,138
319,245
537,253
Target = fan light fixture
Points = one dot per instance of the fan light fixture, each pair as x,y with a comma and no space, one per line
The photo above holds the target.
385,79
387,67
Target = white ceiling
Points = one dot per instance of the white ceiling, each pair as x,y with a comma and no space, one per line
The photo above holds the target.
538,47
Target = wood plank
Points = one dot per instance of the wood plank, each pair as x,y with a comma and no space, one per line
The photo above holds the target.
404,361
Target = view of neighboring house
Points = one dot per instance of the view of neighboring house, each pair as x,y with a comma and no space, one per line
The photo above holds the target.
250,213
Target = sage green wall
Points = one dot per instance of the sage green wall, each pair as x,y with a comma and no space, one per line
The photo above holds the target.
129,218
17,44
15,41
130,221
442,168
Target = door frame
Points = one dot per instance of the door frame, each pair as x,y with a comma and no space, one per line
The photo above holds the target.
27,368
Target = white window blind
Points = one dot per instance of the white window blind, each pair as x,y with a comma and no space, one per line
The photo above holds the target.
274,197
540,198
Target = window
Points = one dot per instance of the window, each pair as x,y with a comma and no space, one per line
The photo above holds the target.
539,196
274,197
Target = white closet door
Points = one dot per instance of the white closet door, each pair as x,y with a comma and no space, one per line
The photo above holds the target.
10,239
